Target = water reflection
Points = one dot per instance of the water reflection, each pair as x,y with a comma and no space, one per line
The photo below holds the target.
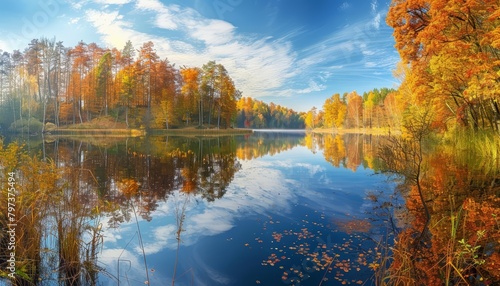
452,194
285,208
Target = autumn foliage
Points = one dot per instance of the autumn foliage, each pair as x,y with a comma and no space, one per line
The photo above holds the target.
452,51
49,82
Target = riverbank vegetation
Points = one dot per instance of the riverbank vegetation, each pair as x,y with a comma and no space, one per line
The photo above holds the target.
447,157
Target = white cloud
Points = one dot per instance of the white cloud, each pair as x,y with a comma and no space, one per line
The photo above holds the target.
164,21
165,17
354,51
257,65
344,6
213,33
73,21
374,6
370,64
376,21
111,26
153,5
112,2
313,86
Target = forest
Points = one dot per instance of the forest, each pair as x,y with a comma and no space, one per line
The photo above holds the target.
62,86
50,83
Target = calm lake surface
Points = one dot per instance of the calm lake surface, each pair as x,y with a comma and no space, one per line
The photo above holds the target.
268,208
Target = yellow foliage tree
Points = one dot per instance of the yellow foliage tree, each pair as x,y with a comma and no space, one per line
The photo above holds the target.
334,111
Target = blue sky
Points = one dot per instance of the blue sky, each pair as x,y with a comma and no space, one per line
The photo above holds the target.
295,53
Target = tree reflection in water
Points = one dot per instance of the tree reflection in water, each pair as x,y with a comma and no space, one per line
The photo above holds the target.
90,179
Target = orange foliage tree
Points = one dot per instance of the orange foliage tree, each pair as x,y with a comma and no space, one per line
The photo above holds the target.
452,48
354,110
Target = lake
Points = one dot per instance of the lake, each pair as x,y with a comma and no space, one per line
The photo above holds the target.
268,208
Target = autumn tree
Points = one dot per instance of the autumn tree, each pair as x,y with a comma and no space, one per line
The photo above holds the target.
395,105
126,78
218,95
93,104
227,107
310,118
146,65
452,48
335,110
43,55
354,115
11,106
104,81
190,92
253,113
165,93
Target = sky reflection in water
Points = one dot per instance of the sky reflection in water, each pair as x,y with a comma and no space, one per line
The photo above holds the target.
274,206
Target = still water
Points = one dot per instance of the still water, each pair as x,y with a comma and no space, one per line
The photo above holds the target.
267,208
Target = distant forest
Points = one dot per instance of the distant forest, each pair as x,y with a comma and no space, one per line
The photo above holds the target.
49,83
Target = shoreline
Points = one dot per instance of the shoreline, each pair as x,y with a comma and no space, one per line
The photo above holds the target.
365,131
123,132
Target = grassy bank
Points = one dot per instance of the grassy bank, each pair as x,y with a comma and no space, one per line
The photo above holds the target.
198,131
107,126
100,132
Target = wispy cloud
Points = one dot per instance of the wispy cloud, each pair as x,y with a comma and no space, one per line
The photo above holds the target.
355,51
257,65
344,6
377,15
374,6
376,21
112,2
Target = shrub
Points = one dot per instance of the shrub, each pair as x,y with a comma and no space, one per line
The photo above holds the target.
31,125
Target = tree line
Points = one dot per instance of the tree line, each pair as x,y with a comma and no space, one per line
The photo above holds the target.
48,82
377,108
253,113
449,70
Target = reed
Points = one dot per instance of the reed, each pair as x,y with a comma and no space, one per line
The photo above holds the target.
47,207
478,149
36,183
460,187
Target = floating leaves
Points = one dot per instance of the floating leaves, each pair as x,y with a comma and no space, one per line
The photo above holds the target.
353,226
314,250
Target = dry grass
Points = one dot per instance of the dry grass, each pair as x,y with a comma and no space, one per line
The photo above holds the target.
98,123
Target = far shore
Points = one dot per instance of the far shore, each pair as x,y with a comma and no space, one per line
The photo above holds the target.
367,131
131,132
108,131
